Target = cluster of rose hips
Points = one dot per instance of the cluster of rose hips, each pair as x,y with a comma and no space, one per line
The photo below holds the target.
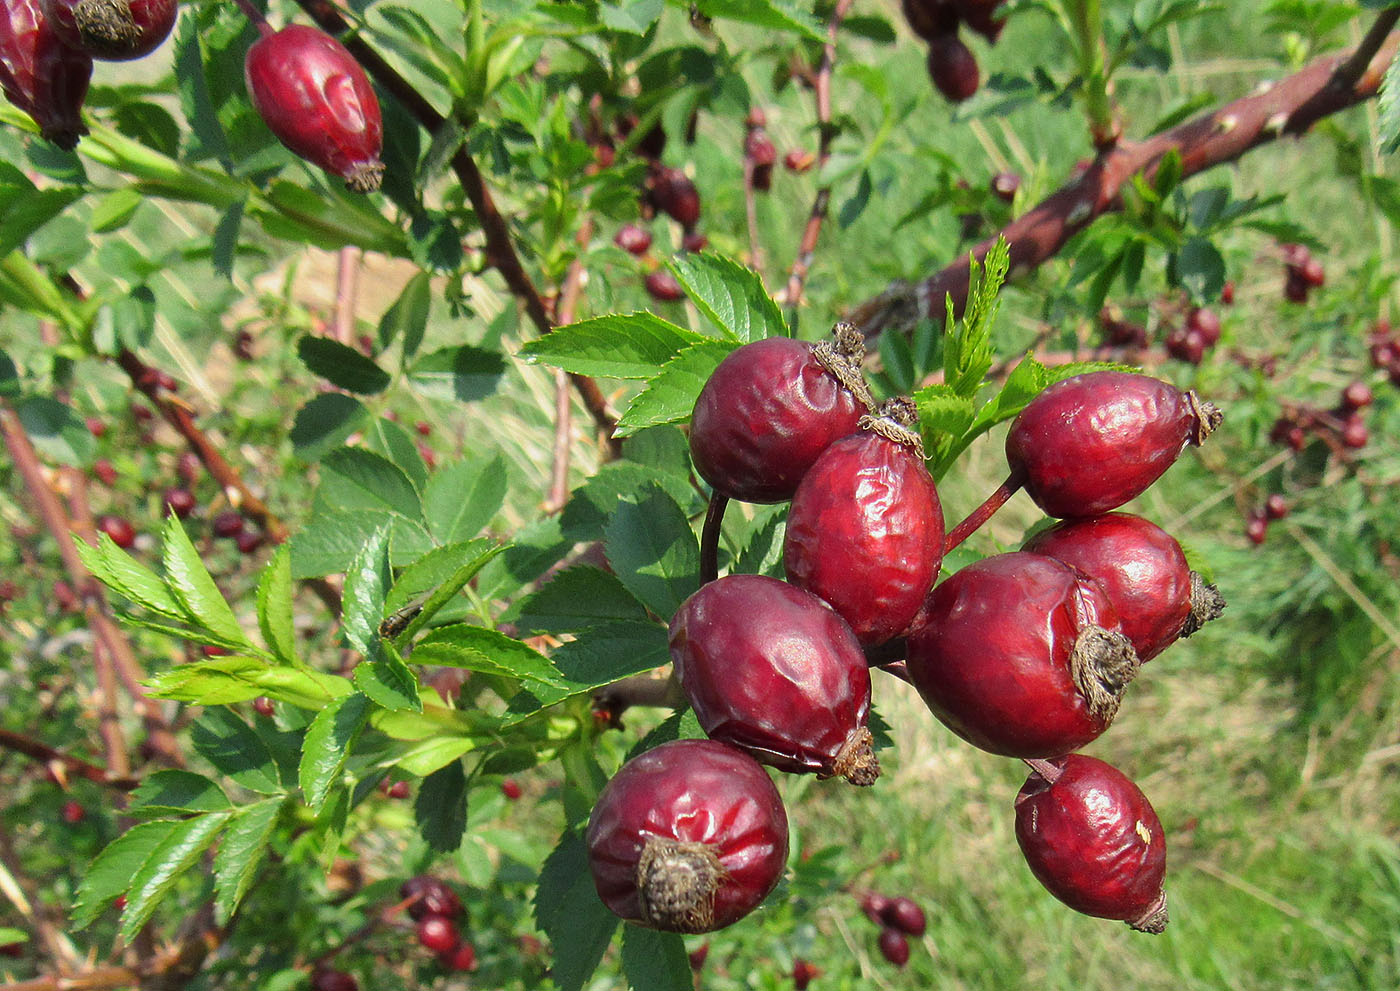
47,48
1023,654
899,919
1344,425
951,64
1384,346
1198,333
1302,273
435,907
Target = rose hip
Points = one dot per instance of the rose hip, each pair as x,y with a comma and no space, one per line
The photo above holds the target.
1142,570
435,898
662,285
689,837
865,532
894,946
318,101
41,75
905,915
930,18
1092,838
1021,655
673,193
121,531
771,408
632,239
113,30
952,67
1092,442
437,934
770,669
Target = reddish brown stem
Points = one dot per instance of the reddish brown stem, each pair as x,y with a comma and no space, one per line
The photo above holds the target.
979,516
567,312
1288,107
751,216
72,766
255,16
709,538
1044,768
347,284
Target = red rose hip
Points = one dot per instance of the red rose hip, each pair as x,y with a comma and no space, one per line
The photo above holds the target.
952,67
865,532
894,946
1022,656
41,75
1143,571
771,408
113,30
438,934
770,669
1092,442
905,915
315,97
1092,838
434,897
689,837
121,531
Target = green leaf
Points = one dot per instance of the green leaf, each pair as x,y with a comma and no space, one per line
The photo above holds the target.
330,541
655,961
389,682
366,585
192,585
113,211
121,573
327,746
763,554
387,438
353,478
56,431
408,317
110,874
275,606
463,497
235,750
240,853
1200,268
730,295
569,912
1388,125
777,15
578,598
475,648
341,365
434,570
325,422
441,808
174,792
1026,381
620,345
968,353
176,853
434,753
9,377
225,680
9,935
670,395
462,373
631,16
653,551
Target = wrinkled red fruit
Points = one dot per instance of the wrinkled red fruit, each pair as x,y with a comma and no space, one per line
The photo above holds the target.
1275,507
1206,323
894,945
434,898
41,75
952,67
1186,345
632,239
1142,570
461,957
1022,656
689,837
769,668
865,532
673,193
229,523
905,915
333,980
1092,838
1354,433
113,30
437,934
931,18
315,97
1357,395
1090,443
803,974
123,534
771,408
179,501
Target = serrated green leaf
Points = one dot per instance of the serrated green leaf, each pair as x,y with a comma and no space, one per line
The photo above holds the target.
436,752
457,374
235,750
389,682
609,653
275,606
655,961
441,807
475,648
670,395
569,912
968,352
434,569
125,576
778,15
366,585
1025,382
243,847
9,936
385,437
620,345
653,551
1388,124
192,585
462,498
56,431
471,564
763,553
325,422
176,792
225,680
1060,372
731,296
330,541
408,316
342,365
175,854
356,479
327,747
577,598
109,875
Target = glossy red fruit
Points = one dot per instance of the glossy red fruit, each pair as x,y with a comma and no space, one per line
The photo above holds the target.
865,532
510,788
462,957
803,974
1354,433
1206,323
769,668
262,705
73,812
315,97
1357,395
229,523
1227,294
113,30
1312,273
121,531
1090,443
1186,345
980,16
434,897
41,75
188,467
771,408
952,67
894,946
905,915
874,905
1004,186
632,239
688,837
1275,507
1256,528
438,934
673,193
398,790
759,148
333,980
248,541
1092,838
931,18
1021,655
662,285
1142,570
179,501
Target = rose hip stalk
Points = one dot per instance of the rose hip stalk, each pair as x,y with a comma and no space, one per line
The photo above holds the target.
770,669
1021,655
315,97
40,74
865,532
771,407
1143,571
1092,838
113,30
689,837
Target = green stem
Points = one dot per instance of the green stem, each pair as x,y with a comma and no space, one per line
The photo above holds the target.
1087,20
26,279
